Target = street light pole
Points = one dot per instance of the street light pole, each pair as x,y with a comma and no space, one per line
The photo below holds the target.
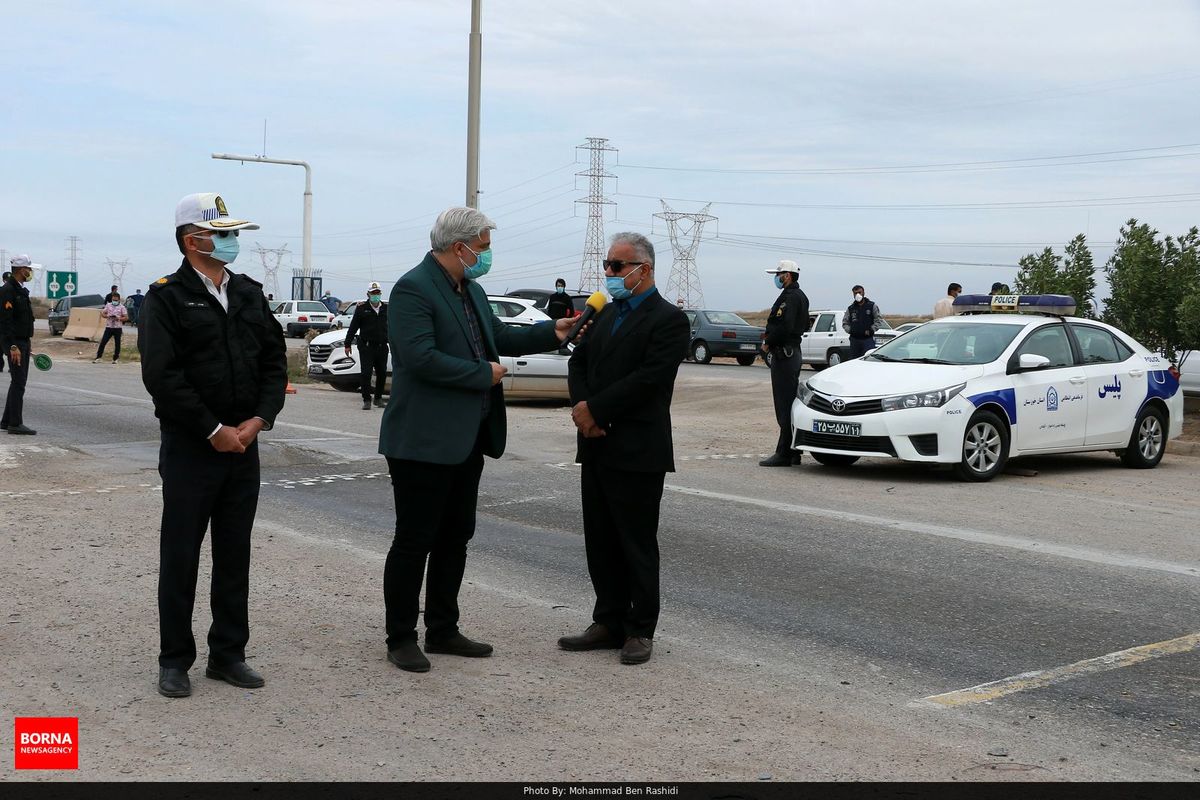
476,57
306,258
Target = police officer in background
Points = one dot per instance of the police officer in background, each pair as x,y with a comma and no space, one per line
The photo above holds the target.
370,324
4,353
16,339
785,326
861,320
215,364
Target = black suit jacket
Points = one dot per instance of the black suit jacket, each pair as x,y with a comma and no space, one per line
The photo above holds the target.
627,379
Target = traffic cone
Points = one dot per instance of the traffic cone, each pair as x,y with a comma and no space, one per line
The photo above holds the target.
290,389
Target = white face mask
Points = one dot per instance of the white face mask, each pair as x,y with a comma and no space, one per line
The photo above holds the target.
858,298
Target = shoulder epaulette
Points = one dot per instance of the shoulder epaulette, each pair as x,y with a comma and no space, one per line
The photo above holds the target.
163,281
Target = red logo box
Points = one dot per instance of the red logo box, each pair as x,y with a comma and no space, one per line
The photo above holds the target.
46,742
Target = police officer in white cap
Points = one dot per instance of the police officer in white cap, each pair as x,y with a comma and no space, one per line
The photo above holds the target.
370,325
785,327
16,338
215,364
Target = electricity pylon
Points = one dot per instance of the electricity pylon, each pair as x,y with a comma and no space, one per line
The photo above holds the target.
684,231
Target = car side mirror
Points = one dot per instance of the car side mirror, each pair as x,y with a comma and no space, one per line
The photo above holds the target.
1032,361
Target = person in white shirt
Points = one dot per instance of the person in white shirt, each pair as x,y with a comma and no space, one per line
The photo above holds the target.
945,306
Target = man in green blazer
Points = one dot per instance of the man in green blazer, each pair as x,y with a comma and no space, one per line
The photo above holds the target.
445,414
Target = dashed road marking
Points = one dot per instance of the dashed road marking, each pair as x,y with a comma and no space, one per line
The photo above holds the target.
1038,679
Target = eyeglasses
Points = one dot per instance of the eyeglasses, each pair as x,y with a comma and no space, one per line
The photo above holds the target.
613,265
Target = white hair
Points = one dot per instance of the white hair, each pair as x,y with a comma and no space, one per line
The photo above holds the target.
458,224
640,243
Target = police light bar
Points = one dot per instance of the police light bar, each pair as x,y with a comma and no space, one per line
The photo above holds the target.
1058,304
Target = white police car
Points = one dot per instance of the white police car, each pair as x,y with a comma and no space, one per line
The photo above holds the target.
975,389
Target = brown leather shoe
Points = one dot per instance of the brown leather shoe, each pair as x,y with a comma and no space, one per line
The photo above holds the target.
637,650
596,637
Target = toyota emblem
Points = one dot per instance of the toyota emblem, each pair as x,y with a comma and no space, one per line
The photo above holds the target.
839,405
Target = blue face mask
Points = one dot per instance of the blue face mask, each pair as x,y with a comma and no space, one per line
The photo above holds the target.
482,265
560,289
375,299
778,281
616,286
225,248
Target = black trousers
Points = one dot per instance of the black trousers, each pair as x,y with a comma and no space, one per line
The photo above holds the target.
372,358
620,535
115,335
202,486
435,519
859,347
785,375
16,387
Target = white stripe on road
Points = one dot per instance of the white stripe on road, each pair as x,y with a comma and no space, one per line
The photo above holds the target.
146,402
1088,554
987,692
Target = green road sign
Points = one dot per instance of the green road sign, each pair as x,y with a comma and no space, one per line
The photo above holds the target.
61,284
42,362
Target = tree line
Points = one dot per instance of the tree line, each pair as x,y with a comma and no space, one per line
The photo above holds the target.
1154,285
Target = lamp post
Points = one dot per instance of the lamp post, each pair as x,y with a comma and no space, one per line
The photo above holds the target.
476,57
306,257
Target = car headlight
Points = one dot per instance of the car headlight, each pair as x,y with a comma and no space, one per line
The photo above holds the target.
804,393
337,345
934,399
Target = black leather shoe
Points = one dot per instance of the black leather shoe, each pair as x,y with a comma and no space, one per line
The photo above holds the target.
366,405
237,674
173,682
21,430
379,402
596,637
637,650
459,645
777,460
408,657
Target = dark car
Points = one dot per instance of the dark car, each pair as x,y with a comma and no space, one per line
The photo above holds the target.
60,312
722,333
541,297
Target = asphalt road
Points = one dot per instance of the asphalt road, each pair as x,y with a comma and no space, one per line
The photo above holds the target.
862,593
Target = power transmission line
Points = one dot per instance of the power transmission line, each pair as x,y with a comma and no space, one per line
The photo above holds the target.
271,259
73,253
591,273
117,268
1094,202
684,283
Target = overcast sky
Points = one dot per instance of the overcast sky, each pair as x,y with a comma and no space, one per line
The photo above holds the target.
819,131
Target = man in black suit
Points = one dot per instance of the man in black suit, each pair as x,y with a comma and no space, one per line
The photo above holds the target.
369,324
621,379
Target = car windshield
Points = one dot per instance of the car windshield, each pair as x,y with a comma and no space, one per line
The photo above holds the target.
961,343
724,318
312,307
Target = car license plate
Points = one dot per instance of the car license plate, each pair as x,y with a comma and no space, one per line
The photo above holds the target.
315,370
749,347
837,428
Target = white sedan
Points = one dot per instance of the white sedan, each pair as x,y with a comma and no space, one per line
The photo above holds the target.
976,389
532,377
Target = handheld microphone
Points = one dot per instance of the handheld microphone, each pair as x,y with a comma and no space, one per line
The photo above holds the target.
595,304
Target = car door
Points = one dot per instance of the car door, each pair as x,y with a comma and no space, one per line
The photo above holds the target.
1051,403
821,339
1116,384
539,375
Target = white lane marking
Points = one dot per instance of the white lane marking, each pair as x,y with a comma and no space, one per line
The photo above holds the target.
1087,554
147,402
285,483
987,692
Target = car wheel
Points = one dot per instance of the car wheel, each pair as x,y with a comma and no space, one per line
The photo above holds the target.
700,353
1148,441
745,360
833,358
833,459
984,448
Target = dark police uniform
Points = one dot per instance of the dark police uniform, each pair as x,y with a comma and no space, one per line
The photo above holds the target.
786,325
372,330
861,320
204,367
16,328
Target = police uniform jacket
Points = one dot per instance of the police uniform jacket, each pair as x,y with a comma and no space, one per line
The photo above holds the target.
16,315
788,320
368,324
204,365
